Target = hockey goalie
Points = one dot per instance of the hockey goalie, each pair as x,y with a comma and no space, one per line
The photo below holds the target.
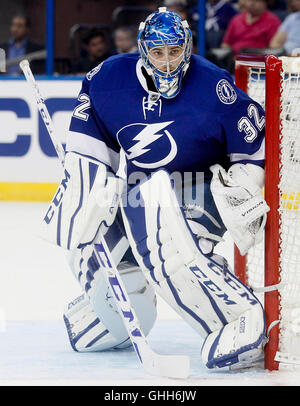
170,113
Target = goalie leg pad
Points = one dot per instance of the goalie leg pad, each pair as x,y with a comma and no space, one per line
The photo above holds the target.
84,263
239,343
86,331
200,288
98,312
94,324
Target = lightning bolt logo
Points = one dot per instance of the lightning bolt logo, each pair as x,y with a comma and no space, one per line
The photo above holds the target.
226,92
144,139
165,35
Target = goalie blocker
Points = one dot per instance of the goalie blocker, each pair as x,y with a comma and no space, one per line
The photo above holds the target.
200,288
86,199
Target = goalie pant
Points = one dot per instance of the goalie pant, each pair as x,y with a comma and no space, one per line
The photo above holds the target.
200,288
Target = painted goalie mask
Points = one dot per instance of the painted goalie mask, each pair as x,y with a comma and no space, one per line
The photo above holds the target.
165,47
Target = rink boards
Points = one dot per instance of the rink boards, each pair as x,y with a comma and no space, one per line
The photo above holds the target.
29,168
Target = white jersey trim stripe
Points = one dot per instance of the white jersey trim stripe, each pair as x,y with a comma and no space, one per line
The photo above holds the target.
140,75
86,145
259,155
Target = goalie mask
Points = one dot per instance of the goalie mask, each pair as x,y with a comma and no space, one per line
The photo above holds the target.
165,46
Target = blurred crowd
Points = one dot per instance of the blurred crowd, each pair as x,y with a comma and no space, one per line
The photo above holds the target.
231,27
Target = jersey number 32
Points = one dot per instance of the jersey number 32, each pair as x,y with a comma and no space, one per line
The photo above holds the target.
245,125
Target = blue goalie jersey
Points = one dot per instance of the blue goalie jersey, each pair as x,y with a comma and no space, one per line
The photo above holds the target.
210,121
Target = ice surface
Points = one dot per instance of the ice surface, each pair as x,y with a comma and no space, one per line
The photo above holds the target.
38,353
35,285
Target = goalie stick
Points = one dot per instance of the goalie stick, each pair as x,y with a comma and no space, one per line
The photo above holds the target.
172,366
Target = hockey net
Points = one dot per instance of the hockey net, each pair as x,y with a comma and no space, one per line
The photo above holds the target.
275,84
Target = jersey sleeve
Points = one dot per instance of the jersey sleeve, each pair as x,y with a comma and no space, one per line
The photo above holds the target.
87,133
243,126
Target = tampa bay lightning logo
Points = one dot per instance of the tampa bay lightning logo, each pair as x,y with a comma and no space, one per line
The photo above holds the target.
226,92
148,145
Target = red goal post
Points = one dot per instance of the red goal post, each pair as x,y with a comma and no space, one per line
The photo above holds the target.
275,83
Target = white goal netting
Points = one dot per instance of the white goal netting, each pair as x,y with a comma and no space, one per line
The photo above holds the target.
289,192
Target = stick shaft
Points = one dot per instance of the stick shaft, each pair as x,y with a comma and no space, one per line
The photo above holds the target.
24,65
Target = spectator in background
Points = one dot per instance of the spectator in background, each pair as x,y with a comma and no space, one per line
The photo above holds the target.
125,39
97,47
152,5
254,28
279,8
288,34
241,7
293,6
218,15
20,45
186,12
178,6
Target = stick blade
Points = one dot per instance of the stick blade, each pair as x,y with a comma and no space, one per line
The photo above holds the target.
170,366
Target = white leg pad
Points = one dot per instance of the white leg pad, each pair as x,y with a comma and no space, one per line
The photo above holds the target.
95,325
239,343
86,331
92,320
200,288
